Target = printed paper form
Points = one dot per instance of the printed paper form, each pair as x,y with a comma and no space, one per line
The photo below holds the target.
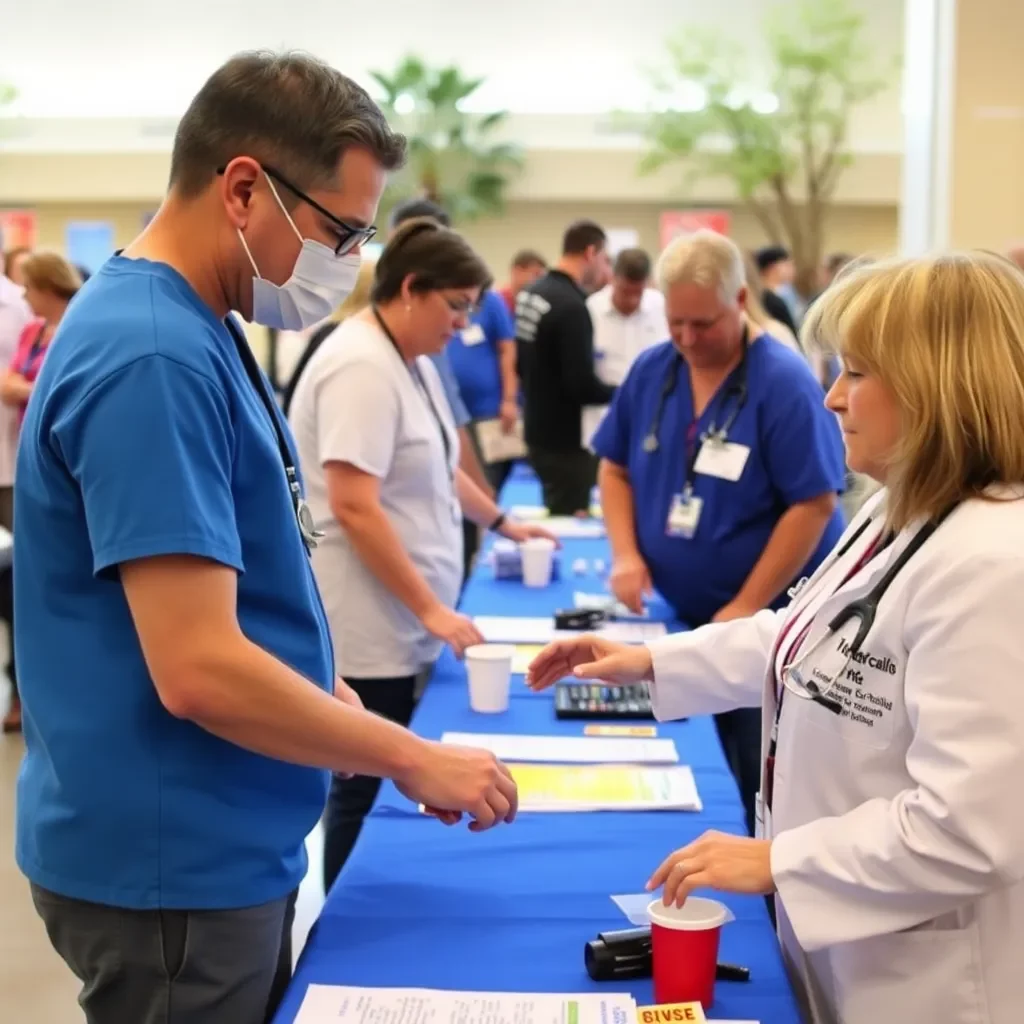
569,749
544,787
500,629
525,653
328,1004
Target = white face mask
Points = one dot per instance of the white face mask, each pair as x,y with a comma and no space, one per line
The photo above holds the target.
320,282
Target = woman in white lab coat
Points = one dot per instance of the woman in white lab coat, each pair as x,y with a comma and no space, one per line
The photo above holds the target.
893,829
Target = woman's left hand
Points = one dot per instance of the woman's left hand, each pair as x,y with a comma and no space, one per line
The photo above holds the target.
716,861
524,531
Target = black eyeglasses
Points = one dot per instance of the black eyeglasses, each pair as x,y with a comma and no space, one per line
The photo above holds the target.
350,238
461,307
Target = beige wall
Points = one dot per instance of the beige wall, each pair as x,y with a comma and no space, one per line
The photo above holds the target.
986,194
534,224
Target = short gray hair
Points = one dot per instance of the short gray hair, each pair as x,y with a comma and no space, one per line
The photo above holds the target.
288,110
703,258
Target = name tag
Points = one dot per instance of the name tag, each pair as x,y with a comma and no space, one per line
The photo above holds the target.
684,515
722,459
473,335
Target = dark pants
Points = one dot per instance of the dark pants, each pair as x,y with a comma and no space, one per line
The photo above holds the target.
350,800
740,735
173,966
566,479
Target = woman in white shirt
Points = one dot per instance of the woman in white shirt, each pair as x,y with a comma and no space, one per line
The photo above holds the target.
379,451
893,745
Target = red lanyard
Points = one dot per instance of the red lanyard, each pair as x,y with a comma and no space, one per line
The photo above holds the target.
793,652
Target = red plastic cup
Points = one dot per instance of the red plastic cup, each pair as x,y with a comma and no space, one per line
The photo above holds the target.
684,948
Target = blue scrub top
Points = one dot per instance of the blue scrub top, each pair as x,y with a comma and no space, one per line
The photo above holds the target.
451,387
145,437
796,453
476,363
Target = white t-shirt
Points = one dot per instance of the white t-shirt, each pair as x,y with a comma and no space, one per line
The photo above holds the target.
359,402
618,340
14,317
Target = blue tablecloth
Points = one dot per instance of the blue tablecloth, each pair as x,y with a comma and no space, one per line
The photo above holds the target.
511,909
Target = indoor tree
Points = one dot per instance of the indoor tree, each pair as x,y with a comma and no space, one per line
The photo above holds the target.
783,150
456,157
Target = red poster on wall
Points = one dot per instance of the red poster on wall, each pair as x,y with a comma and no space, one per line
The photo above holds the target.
683,222
17,229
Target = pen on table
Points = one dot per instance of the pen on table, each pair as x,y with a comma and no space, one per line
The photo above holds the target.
731,972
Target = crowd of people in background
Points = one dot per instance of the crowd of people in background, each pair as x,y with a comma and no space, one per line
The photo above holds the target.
547,356
542,354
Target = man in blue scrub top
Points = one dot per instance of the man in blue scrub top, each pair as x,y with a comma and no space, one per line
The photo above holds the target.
181,710
720,466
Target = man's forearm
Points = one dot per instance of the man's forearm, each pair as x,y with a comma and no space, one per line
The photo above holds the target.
477,505
246,696
469,463
617,508
509,376
792,542
381,550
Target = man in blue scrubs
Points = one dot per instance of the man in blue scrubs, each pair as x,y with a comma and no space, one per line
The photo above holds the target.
720,466
181,711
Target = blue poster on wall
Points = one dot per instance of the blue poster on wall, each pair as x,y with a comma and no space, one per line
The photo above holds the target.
89,243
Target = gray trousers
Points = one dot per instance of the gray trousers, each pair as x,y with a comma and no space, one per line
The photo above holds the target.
173,966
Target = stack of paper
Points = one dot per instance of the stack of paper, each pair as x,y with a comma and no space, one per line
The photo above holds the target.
500,629
330,1004
569,749
605,787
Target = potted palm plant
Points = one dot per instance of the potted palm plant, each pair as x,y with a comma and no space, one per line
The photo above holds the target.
457,157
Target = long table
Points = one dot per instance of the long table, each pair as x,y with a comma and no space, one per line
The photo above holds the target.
422,905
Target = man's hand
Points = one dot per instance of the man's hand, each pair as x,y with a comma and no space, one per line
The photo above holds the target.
450,780
735,609
524,531
345,693
589,657
509,415
630,581
454,629
717,861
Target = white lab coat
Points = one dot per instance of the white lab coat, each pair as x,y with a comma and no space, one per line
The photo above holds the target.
898,846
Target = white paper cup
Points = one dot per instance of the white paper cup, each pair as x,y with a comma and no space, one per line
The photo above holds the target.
489,668
537,554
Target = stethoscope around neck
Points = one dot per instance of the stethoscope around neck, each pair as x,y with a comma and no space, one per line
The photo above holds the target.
864,610
736,388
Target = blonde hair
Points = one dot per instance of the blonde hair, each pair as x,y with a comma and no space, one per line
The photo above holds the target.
359,297
704,258
945,335
50,272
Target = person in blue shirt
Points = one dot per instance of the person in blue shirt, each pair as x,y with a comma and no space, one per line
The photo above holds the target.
720,466
483,356
181,711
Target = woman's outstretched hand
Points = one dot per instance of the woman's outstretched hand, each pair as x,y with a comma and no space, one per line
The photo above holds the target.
589,657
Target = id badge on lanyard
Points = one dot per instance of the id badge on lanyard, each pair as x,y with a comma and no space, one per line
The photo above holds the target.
684,514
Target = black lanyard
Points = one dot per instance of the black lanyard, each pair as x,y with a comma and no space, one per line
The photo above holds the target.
414,372
737,387
303,516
